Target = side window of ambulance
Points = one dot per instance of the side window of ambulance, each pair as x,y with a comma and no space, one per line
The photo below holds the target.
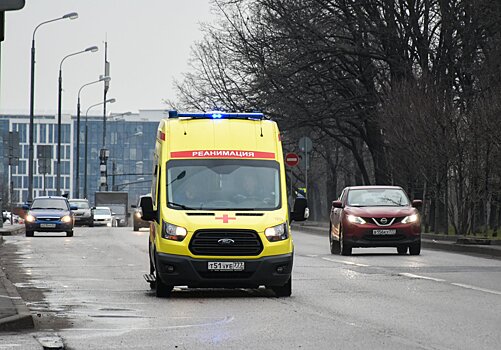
154,182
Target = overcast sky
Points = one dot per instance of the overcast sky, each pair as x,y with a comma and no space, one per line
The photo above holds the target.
149,43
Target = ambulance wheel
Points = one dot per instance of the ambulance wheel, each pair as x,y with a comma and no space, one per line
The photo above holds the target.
69,233
153,285
162,290
285,290
30,233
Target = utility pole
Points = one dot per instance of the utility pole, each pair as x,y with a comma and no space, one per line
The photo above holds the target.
104,153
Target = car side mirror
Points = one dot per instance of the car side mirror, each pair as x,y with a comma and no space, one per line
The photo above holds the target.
337,204
146,204
301,211
417,203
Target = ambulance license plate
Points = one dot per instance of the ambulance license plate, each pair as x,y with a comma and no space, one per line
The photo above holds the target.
226,265
383,232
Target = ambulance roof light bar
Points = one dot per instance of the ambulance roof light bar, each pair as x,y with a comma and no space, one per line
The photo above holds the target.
217,115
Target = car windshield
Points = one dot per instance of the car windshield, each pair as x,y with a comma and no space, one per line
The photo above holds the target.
102,211
223,184
80,205
377,197
49,203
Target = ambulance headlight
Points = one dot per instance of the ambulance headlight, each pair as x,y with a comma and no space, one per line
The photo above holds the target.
277,233
173,232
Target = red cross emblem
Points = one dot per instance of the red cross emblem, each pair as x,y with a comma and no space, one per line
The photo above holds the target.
225,218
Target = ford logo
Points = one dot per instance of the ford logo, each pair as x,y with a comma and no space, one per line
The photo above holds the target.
226,241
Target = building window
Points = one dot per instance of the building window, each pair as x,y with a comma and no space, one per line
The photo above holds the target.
51,133
65,133
43,133
65,167
68,152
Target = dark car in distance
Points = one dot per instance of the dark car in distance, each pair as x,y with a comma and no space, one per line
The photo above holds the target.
375,216
49,214
83,214
136,219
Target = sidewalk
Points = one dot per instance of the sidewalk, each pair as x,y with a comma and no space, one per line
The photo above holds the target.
14,314
428,240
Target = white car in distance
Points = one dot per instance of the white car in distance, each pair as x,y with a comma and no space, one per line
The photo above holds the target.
103,216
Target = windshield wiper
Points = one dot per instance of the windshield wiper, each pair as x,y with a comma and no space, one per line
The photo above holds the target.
181,206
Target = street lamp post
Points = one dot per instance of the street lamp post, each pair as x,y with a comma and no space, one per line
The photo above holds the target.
58,178
111,100
77,180
72,15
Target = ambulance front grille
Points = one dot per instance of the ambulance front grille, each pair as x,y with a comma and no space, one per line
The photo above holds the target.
225,242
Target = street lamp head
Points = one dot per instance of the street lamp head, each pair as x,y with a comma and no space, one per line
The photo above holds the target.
71,15
92,49
104,78
110,100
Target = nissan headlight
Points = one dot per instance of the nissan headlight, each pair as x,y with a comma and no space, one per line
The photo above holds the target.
410,219
277,233
66,219
30,218
173,232
355,219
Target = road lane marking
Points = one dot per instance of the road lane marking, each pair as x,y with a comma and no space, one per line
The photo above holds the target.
9,297
467,286
346,262
461,285
411,275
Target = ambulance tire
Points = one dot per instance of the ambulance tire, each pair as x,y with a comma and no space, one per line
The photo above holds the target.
30,233
162,290
285,290
69,233
153,285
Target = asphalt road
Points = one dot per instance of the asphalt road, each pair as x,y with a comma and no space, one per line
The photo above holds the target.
88,290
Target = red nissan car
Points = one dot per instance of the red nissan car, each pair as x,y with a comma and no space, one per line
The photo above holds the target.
375,216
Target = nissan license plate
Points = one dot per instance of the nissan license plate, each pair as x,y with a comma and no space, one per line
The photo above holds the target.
383,232
226,265
48,225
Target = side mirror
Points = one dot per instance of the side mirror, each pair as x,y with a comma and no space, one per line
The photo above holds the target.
301,211
73,207
146,204
337,204
417,203
133,206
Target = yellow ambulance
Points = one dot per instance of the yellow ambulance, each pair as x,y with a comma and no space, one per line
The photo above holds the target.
218,208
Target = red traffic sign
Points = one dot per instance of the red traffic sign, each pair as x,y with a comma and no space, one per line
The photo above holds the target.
291,159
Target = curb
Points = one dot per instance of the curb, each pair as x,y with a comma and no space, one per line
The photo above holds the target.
23,318
11,230
427,241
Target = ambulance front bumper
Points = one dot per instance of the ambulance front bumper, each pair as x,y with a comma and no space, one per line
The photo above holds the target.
176,270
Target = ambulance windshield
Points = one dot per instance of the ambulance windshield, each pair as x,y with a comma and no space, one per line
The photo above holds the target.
223,184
